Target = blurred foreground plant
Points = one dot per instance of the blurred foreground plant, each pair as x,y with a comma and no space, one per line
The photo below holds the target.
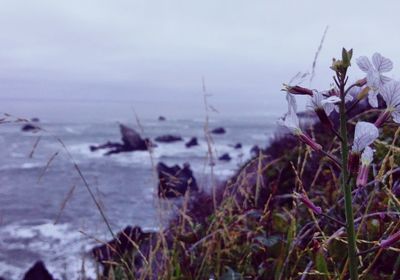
365,133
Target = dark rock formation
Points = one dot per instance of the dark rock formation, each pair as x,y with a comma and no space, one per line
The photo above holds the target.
175,181
254,151
162,118
168,138
128,240
30,127
238,146
192,142
225,157
218,130
131,141
38,272
35,120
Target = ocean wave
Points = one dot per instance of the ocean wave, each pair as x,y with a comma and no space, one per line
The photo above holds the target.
59,246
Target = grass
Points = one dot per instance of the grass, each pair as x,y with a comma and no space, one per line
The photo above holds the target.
251,227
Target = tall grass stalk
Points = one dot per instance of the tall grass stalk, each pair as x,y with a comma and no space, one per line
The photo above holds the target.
345,183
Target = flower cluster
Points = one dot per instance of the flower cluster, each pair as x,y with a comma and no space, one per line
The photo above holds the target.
358,155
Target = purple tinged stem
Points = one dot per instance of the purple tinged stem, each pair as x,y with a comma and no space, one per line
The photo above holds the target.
383,117
386,243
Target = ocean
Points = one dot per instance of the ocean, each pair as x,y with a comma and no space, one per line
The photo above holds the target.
46,212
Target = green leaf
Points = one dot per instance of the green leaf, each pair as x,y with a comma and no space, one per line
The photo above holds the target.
321,264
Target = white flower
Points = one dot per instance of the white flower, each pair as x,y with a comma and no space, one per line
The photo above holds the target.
290,120
391,94
367,156
375,79
365,134
319,101
366,159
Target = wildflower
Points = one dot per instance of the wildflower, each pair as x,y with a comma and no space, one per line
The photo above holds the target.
308,203
386,243
323,106
319,101
375,79
365,134
391,94
366,159
291,122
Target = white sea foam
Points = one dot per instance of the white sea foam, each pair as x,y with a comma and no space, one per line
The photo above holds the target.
59,246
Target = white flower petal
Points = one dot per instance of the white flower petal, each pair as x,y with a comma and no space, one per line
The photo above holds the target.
364,63
292,103
396,116
382,64
365,134
391,93
331,99
373,98
385,79
374,80
329,107
290,121
367,156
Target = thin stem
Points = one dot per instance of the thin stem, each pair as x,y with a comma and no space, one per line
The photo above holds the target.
331,157
349,88
351,244
333,219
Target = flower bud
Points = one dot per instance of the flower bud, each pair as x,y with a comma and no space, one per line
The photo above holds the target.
363,93
353,162
308,141
309,204
366,159
361,82
298,90
362,176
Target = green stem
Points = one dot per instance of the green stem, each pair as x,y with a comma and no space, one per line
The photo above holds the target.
346,187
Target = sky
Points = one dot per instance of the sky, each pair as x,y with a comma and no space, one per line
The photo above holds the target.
159,51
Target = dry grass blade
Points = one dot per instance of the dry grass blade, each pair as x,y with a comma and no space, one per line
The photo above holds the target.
35,146
314,64
87,186
64,203
47,166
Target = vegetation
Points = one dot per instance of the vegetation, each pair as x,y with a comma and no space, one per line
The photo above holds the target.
308,209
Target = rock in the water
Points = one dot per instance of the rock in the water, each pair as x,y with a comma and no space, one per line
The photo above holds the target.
168,138
238,146
131,141
225,157
218,130
175,181
38,272
30,127
125,242
162,118
35,120
192,142
254,151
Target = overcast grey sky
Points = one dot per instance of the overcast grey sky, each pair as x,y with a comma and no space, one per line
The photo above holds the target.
145,50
